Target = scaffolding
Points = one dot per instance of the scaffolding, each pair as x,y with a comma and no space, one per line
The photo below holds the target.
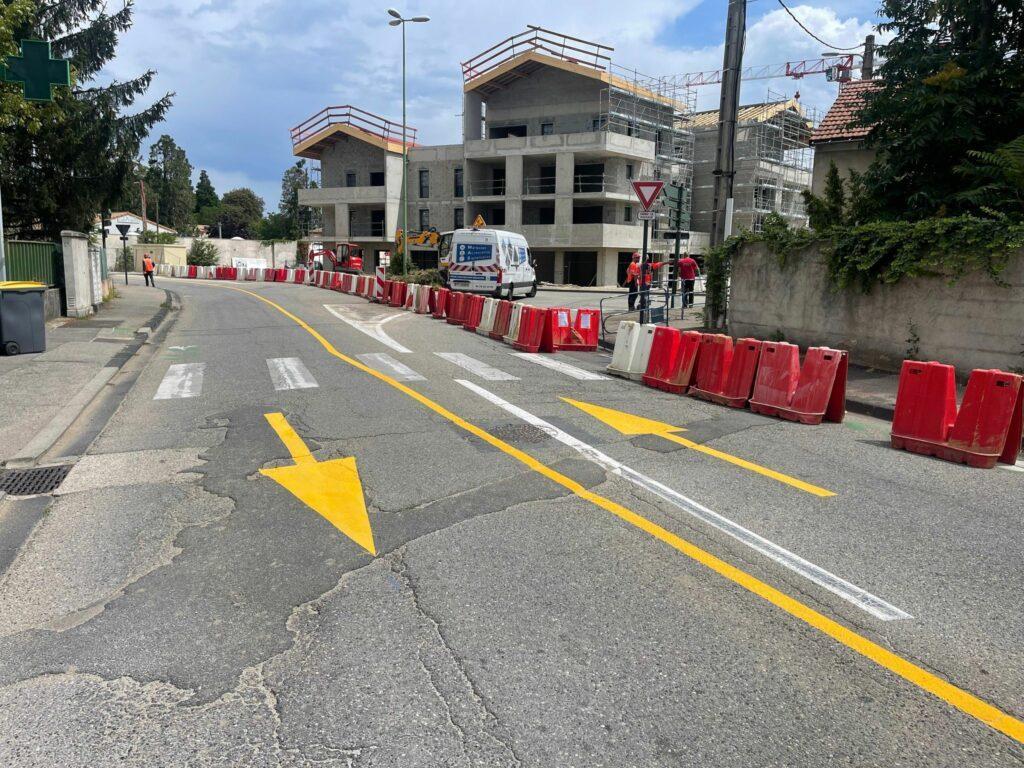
773,162
659,110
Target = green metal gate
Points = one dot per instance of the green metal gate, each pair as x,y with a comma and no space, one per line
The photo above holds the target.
35,261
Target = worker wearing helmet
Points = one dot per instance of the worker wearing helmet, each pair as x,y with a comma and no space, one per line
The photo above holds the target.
633,280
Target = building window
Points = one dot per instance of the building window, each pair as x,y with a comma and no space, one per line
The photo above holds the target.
629,170
459,190
376,178
597,124
498,217
424,219
460,218
546,129
424,183
350,179
627,214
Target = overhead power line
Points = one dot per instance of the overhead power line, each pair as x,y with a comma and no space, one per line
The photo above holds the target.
805,29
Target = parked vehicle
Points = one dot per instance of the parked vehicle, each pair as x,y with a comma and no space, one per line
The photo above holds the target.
490,261
348,258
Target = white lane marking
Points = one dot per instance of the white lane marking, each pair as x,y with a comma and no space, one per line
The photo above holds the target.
181,380
387,364
290,373
859,597
557,365
371,326
481,369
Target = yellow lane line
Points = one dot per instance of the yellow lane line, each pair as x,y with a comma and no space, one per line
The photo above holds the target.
926,681
782,478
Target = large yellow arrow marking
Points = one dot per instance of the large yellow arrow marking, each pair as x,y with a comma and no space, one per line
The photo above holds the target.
628,424
331,488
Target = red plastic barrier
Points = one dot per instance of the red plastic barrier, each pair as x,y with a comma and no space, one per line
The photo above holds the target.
502,318
397,296
810,394
282,276
440,303
192,270
714,362
531,329
474,311
300,275
432,299
336,281
738,381
385,295
231,273
986,430
345,282
673,359
457,308
562,331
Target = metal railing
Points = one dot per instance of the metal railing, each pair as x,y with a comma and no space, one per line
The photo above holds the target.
485,187
539,185
375,125
572,49
662,307
374,229
598,183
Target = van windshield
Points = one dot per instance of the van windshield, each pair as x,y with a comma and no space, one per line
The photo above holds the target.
444,248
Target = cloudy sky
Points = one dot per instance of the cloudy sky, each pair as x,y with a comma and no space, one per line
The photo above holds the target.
245,71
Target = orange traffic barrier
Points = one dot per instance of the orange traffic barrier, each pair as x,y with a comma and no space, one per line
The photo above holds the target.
985,431
810,394
673,359
531,329
474,311
562,331
457,307
397,295
724,377
502,317
440,303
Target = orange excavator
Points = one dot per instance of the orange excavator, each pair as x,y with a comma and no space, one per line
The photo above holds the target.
347,258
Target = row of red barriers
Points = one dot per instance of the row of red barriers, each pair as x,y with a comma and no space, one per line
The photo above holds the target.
984,431
765,375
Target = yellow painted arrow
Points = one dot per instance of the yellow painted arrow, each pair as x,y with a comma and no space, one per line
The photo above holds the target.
628,424
331,488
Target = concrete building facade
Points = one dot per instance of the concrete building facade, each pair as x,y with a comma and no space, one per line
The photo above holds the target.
552,137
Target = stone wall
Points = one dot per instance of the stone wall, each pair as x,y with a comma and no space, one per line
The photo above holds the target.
971,323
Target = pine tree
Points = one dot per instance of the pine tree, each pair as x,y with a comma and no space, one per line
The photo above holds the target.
206,195
294,179
169,179
953,83
83,145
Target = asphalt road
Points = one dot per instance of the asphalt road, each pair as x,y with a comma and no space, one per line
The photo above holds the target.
536,597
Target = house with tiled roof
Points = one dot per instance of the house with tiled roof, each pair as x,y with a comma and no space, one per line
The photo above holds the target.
839,138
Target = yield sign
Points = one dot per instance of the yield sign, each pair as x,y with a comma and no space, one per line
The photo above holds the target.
648,192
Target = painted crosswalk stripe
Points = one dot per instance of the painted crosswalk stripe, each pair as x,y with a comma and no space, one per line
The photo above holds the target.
476,367
557,365
387,364
181,380
290,373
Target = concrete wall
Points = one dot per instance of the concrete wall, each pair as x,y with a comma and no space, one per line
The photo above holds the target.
972,323
350,155
548,95
847,155
246,249
161,254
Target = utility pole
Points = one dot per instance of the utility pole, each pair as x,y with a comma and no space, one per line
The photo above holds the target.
725,171
867,69
142,197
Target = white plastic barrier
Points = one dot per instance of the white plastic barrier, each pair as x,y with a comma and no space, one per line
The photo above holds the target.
487,317
632,350
411,292
513,323
290,276
422,306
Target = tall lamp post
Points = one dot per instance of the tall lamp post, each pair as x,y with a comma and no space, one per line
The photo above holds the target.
397,21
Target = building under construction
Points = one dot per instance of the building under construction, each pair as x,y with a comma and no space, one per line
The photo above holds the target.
773,163
553,133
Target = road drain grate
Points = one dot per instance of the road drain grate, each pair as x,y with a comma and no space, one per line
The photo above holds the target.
29,482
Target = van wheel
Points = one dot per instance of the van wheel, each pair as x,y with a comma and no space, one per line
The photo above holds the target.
511,291
533,290
497,292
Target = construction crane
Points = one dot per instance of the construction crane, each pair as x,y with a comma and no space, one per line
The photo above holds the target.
837,68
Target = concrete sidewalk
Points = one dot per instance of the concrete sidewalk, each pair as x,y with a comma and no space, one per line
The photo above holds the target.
41,394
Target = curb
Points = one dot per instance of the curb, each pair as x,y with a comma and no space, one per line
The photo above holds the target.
65,417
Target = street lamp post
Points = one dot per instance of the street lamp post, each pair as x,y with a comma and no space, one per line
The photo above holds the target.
396,21
123,229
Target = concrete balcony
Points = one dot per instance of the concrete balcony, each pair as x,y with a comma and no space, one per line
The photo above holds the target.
596,143
318,198
594,236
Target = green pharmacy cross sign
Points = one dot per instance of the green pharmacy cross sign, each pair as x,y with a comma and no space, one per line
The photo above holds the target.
36,71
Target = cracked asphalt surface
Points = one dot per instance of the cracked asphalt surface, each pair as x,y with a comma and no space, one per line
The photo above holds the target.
173,607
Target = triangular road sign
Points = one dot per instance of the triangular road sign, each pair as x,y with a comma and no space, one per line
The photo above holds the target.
648,192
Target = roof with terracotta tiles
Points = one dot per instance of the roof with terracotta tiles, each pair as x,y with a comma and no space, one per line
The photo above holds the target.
838,122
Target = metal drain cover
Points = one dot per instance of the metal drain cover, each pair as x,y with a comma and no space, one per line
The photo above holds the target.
520,433
29,482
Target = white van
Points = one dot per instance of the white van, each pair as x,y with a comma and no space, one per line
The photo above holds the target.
490,261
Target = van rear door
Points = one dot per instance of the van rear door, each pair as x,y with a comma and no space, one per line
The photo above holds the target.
474,262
